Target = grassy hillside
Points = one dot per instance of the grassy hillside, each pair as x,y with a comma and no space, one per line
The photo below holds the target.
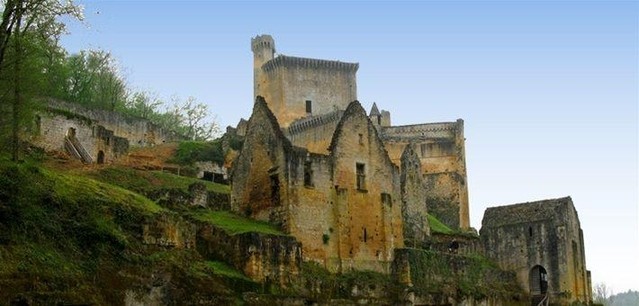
72,239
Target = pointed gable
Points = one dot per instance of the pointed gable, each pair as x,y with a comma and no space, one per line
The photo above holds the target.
375,110
259,172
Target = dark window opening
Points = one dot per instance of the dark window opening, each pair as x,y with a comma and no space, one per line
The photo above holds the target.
308,174
379,120
275,189
386,199
101,157
309,107
219,178
38,124
530,231
361,176
365,235
207,176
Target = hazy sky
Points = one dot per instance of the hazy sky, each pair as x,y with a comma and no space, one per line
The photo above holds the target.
548,89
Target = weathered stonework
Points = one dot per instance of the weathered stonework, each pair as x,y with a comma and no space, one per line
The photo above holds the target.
543,243
414,195
103,135
268,259
287,82
344,206
308,97
441,150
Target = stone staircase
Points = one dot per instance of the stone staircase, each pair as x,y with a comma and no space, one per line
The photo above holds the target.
75,148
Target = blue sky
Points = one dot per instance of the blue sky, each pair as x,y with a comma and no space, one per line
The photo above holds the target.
548,89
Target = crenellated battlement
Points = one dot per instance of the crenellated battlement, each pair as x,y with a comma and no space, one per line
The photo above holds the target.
262,41
304,124
302,62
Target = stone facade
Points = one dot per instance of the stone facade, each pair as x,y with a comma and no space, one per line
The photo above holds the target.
355,190
103,135
543,243
344,206
441,150
296,87
308,97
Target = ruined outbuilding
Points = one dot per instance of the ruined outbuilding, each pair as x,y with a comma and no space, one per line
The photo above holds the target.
543,243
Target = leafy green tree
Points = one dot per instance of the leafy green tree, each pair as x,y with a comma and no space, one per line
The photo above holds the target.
94,80
25,25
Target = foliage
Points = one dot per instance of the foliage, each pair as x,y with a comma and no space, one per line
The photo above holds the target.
92,79
235,224
189,152
465,276
627,298
437,226
68,239
29,34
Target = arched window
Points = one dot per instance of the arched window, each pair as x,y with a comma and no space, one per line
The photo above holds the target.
101,157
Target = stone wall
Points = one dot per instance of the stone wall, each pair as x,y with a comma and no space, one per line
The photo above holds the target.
314,132
103,134
260,173
441,150
539,236
139,132
268,259
414,207
53,128
287,82
344,207
368,197
433,278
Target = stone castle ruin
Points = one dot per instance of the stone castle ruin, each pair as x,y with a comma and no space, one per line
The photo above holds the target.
356,191
93,135
309,96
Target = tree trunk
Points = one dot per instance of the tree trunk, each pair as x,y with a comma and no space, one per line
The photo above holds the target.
15,106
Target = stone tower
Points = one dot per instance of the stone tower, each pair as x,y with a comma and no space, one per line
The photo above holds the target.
263,47
298,88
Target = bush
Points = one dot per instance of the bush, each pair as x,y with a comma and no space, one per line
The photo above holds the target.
189,152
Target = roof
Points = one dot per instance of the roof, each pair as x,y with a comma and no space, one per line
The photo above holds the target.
375,110
526,212
292,61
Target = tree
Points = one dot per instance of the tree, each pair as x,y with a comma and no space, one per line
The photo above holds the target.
142,105
195,115
23,22
94,80
602,294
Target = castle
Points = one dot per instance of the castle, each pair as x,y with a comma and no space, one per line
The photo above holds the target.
355,190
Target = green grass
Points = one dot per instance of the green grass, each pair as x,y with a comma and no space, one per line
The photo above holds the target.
145,181
234,224
74,189
437,226
224,270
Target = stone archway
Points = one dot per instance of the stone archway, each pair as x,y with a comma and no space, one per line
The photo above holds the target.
101,157
538,280
71,132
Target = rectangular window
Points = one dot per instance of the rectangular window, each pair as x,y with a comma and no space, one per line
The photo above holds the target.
361,176
386,199
309,107
308,174
275,190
